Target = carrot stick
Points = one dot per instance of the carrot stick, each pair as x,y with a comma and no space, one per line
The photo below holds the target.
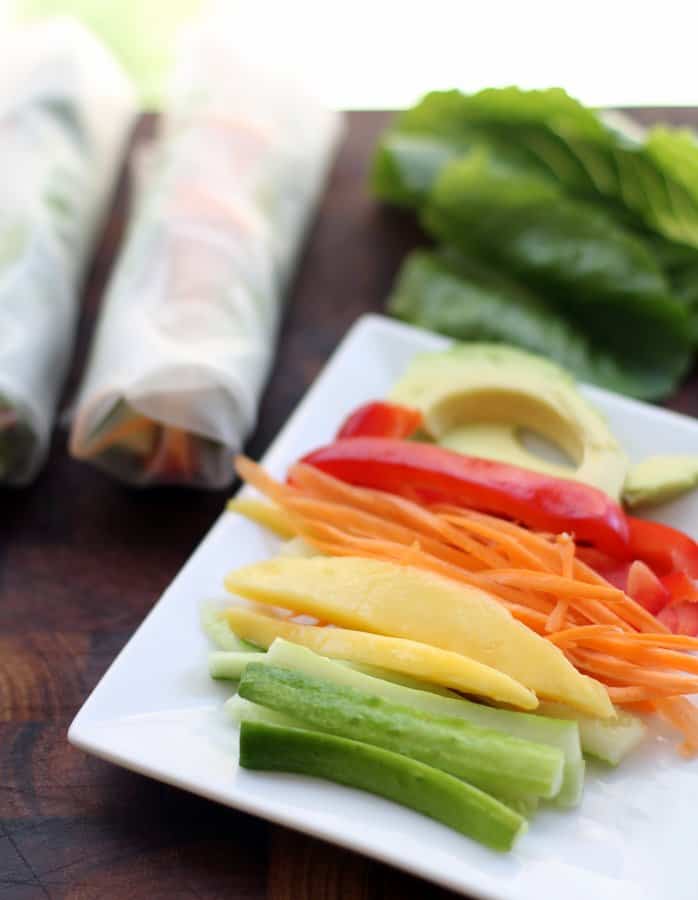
683,715
635,694
642,654
252,473
606,665
389,506
573,635
368,525
516,552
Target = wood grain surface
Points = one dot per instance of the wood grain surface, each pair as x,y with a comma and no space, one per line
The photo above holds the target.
82,560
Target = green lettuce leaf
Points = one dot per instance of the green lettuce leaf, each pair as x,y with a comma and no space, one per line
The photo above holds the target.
548,134
445,291
601,277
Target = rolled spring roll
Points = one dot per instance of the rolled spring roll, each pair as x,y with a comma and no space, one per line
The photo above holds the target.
188,329
65,113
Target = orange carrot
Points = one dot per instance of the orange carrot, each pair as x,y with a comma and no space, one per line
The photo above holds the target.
683,715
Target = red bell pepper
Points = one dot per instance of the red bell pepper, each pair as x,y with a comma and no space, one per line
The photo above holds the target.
681,619
664,549
380,419
613,570
433,474
646,589
682,589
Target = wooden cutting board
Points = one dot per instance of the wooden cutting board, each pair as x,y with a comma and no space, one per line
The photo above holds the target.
82,559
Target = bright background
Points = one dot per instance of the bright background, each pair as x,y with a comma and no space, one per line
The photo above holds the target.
385,53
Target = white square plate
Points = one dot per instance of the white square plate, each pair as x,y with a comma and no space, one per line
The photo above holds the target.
157,712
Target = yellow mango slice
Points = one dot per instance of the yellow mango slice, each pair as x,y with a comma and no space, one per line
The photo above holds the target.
402,601
423,661
266,514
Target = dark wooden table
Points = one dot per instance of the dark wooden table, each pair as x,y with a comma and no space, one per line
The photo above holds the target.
82,560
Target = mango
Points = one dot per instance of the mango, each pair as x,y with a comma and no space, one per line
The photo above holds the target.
423,661
402,601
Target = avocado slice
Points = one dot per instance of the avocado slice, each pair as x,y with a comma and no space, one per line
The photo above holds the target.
658,479
504,443
476,398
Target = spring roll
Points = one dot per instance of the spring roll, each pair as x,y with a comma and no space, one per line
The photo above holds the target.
188,327
65,113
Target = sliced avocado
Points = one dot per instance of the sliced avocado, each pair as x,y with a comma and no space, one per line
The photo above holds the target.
503,442
480,384
660,478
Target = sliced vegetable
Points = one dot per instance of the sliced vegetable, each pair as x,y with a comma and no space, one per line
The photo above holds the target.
381,419
401,601
663,548
659,479
422,788
241,711
437,475
441,667
556,733
488,759
645,588
483,384
609,740
230,664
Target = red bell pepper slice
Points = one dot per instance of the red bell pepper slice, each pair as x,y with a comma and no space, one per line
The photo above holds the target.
646,589
381,419
681,619
664,549
681,588
433,474
613,570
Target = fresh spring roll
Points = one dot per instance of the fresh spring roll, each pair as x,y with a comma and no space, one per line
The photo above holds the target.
187,333
65,112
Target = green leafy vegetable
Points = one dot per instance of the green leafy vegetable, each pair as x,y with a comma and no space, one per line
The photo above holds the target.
597,274
447,292
595,231
549,134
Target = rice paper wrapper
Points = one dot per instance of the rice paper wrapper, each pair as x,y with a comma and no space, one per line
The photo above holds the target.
187,334
65,113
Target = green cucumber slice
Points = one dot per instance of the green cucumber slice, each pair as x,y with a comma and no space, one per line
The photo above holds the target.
563,734
488,759
609,740
406,781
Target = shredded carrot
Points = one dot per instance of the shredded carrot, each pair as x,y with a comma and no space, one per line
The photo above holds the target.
605,665
683,715
634,694
571,636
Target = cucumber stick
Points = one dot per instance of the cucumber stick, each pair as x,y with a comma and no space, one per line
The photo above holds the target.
411,692
554,732
420,787
226,664
609,740
241,711
488,759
